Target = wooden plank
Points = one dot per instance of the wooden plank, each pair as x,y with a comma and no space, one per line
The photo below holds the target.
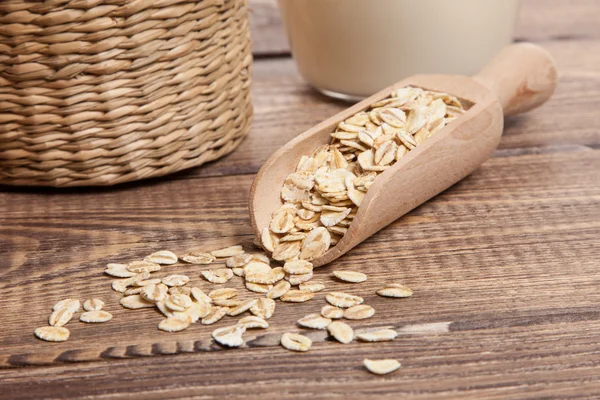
492,261
537,21
527,361
535,214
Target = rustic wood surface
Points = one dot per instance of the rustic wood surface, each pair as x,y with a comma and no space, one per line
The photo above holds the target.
505,264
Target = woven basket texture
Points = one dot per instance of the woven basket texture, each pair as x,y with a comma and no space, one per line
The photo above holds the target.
100,92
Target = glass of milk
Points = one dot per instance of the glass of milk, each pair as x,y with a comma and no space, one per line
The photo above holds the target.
350,49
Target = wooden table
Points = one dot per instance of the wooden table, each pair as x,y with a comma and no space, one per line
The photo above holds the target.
505,264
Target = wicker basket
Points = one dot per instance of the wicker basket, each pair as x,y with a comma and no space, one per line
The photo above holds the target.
99,92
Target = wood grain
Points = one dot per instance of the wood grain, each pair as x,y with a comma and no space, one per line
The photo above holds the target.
451,259
518,290
522,75
504,264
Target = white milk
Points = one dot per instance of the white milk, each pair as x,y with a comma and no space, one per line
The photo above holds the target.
353,48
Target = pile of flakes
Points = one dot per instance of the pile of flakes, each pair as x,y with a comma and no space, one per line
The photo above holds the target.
183,305
322,196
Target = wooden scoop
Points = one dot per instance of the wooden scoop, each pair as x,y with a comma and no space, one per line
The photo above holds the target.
520,78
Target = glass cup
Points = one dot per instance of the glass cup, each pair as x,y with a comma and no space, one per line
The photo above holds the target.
350,49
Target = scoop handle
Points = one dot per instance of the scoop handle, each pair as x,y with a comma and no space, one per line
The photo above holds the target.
523,75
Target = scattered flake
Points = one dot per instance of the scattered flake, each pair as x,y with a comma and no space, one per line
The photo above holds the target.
228,251
256,267
395,290
95,316
198,258
199,295
238,271
297,296
261,257
227,302
215,314
350,276
154,293
69,304
242,307
381,367
93,305
142,276
202,308
222,275
239,260
377,335
146,282
194,312
143,266
180,290
175,280
223,293
279,290
270,278
118,271
343,300
134,290
258,287
341,331
252,322
135,301
230,336
314,321
311,286
298,267
163,257
173,325
52,333
295,342
60,317
178,302
264,308
298,279
332,312
361,311
162,307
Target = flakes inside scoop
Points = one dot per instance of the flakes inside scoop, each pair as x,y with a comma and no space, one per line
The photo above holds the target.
362,147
